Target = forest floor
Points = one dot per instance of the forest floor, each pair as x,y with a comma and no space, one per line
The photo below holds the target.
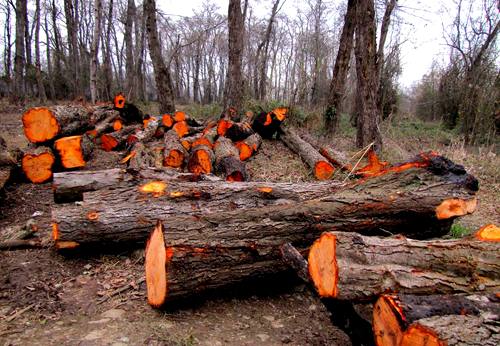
48,299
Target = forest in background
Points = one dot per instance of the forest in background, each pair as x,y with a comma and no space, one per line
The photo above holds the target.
75,49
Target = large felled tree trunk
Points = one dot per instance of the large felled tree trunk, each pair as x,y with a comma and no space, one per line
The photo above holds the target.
337,85
416,201
162,74
233,95
367,77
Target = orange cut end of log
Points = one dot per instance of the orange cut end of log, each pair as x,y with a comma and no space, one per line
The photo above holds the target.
245,150
223,126
70,151
488,233
156,188
92,215
322,264
108,142
323,170
145,122
155,267
117,125
374,166
40,125
174,159
92,133
455,207
265,189
202,141
119,101
235,176
201,163
387,327
280,113
418,335
186,144
66,244
38,168
181,128
179,116
55,231
176,194
269,119
128,157
167,120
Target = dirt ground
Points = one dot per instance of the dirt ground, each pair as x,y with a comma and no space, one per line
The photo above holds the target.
48,299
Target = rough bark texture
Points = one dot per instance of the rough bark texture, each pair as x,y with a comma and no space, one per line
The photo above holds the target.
174,154
162,74
249,146
19,58
150,156
319,165
227,161
70,186
116,140
239,131
350,266
337,85
273,212
95,50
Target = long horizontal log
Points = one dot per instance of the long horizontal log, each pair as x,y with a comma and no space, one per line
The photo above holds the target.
393,315
423,202
351,266
70,186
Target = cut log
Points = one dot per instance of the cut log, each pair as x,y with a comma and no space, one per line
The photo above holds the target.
146,134
128,112
150,156
322,169
350,266
43,124
5,175
223,125
267,124
374,166
74,151
201,160
239,131
117,125
392,315
180,116
105,125
8,157
70,186
167,121
337,158
174,153
187,142
116,140
279,212
249,146
37,164
227,161
119,101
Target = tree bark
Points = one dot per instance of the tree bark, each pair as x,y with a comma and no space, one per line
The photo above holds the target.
129,50
41,88
95,50
350,266
227,161
233,96
365,48
416,201
337,85
162,74
321,168
19,59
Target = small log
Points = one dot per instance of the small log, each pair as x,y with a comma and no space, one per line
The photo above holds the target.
150,156
267,124
227,161
146,134
116,140
105,125
201,160
128,112
408,201
5,175
350,266
322,169
70,186
167,121
8,157
182,116
74,151
187,142
393,314
337,158
249,146
223,125
37,164
43,124
239,131
174,154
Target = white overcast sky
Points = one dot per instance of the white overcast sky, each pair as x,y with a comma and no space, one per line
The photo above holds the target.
422,30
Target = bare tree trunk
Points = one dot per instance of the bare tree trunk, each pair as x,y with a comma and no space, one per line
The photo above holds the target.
8,50
162,74
140,38
365,48
19,62
95,50
69,10
107,69
48,51
41,89
337,85
129,50
233,96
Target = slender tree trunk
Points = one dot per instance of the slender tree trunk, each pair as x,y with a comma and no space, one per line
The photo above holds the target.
162,74
8,50
41,88
19,61
233,96
107,69
140,39
368,120
337,85
71,29
95,50
129,50
48,51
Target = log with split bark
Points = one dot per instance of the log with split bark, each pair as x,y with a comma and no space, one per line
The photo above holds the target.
337,158
174,153
227,161
44,124
416,202
117,140
419,320
321,168
351,266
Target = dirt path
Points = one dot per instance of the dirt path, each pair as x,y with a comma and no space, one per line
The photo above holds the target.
48,299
